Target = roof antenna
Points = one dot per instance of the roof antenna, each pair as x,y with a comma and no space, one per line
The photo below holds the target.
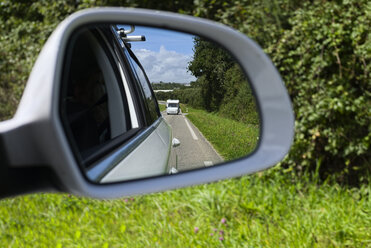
129,38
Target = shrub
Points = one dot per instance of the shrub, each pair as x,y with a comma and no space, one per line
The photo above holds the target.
321,48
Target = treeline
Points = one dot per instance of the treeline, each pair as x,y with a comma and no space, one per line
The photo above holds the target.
224,87
189,96
321,48
167,86
220,86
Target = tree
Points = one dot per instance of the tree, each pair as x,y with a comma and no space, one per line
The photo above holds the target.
209,64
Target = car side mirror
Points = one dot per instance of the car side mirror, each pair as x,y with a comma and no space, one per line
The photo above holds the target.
89,123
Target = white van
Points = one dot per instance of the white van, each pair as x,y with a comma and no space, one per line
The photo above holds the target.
172,107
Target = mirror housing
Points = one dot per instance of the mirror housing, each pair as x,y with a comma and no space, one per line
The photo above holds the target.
36,129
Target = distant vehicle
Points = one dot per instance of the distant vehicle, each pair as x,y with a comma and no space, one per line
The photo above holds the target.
172,107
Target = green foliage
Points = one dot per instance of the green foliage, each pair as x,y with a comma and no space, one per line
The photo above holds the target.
209,64
191,96
166,86
163,96
24,28
221,83
238,102
325,61
263,21
162,107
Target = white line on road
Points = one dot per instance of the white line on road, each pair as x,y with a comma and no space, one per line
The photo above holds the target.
190,129
208,163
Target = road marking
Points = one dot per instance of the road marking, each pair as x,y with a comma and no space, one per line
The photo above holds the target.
208,163
190,129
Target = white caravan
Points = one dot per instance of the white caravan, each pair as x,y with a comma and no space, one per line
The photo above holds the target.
172,107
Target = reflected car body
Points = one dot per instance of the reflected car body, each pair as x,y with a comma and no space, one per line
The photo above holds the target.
109,111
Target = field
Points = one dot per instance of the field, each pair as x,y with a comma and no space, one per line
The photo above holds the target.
270,209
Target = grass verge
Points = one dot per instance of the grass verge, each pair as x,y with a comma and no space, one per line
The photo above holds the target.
230,138
162,107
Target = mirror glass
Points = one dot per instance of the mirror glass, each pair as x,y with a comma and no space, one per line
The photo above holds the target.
138,102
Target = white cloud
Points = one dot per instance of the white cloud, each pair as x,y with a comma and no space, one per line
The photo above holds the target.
164,65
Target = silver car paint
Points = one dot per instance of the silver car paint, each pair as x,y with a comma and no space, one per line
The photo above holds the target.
149,159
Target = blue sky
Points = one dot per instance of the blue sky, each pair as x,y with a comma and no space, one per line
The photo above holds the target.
165,54
171,40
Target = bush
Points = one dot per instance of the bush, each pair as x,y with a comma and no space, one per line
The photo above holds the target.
238,102
325,62
321,48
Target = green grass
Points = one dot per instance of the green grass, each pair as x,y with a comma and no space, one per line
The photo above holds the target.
230,138
162,107
265,210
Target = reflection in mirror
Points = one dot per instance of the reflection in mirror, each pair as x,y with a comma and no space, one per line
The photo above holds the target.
140,102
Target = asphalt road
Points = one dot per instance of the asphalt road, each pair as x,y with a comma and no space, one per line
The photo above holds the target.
194,150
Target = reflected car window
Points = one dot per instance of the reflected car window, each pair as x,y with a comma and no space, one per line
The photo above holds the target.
94,103
152,114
